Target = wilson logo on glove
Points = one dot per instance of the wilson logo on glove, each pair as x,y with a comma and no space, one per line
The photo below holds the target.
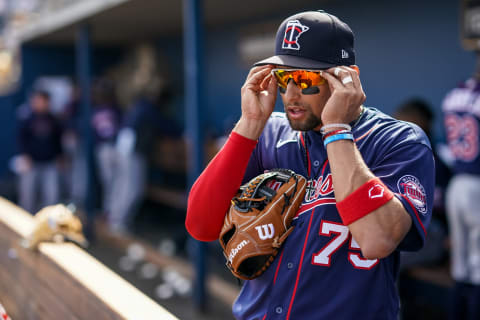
234,251
266,231
260,212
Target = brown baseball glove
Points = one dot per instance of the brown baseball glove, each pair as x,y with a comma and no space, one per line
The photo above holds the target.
56,222
259,221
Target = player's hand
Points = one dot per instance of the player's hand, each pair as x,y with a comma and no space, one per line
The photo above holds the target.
346,95
23,163
259,93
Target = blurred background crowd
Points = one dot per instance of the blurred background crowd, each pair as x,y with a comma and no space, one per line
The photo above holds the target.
93,108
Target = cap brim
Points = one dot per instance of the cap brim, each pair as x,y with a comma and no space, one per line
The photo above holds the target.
295,62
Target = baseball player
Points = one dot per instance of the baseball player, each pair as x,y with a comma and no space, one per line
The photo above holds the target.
370,180
461,108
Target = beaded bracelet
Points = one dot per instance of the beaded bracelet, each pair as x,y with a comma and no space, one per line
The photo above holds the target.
336,137
335,125
334,132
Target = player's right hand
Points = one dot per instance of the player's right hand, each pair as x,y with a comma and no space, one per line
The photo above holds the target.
259,93
343,105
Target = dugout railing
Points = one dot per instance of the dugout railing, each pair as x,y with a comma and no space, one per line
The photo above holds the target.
61,280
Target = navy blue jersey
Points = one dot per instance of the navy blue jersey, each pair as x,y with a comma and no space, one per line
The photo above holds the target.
105,122
40,137
320,272
461,109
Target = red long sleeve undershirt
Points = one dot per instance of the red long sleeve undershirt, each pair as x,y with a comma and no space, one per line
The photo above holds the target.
210,196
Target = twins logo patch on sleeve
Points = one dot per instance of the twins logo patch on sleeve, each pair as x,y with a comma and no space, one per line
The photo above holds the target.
411,187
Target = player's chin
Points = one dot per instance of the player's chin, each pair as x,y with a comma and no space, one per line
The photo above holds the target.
306,123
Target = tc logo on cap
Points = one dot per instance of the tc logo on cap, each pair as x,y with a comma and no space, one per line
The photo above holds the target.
293,31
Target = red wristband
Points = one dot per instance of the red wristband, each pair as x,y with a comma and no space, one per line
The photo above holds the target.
331,133
370,196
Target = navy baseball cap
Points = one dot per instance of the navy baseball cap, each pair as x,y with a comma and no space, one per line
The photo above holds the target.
313,40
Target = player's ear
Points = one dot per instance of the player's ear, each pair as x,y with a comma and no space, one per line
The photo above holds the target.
356,68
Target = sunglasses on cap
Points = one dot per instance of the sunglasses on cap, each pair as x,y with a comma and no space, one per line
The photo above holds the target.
306,80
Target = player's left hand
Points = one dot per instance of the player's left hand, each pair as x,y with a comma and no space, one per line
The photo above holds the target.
346,95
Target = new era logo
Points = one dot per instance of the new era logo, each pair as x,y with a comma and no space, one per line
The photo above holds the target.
345,54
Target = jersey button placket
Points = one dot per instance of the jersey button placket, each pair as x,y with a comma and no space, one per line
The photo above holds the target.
278,310
290,265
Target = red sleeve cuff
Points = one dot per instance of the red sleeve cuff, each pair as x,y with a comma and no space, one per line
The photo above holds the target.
207,205
238,138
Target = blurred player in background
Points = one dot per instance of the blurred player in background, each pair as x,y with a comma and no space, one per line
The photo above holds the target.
39,141
105,122
143,124
461,108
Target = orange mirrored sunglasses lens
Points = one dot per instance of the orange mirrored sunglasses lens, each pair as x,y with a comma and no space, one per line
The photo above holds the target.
303,79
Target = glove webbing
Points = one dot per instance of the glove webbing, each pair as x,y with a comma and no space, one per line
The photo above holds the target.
247,198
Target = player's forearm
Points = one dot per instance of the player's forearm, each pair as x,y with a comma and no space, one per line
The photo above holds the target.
349,171
251,129
379,232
